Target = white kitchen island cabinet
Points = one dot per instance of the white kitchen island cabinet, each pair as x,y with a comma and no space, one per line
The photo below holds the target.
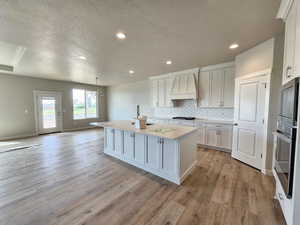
168,151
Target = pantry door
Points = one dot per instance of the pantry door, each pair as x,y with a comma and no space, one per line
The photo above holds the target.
48,112
249,133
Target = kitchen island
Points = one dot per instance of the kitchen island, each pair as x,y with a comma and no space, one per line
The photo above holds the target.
168,151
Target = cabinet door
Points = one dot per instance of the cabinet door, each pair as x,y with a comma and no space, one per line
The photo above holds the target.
161,93
169,156
297,41
201,134
228,91
128,145
225,137
289,49
153,151
168,100
211,135
217,84
119,141
204,89
155,93
110,139
140,148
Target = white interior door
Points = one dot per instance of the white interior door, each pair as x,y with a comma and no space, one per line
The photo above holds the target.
249,112
48,112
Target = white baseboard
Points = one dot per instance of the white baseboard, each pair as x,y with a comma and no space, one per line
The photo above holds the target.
188,171
267,172
79,128
17,137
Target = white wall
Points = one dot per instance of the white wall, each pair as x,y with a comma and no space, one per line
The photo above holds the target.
16,96
255,59
123,99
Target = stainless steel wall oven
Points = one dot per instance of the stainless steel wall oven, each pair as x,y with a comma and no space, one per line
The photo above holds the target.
286,136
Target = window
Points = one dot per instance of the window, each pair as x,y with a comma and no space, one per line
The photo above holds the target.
85,104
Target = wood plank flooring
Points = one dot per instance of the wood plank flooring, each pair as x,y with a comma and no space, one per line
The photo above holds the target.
67,180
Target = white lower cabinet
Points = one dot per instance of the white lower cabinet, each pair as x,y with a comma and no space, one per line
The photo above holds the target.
215,136
169,159
201,134
225,137
140,144
110,136
160,156
118,139
211,135
129,144
153,152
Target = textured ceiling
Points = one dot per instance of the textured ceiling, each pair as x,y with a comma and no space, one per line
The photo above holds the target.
54,33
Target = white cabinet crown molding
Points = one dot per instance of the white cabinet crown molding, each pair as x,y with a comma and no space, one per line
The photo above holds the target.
218,66
284,9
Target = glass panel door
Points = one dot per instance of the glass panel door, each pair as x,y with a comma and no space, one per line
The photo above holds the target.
49,112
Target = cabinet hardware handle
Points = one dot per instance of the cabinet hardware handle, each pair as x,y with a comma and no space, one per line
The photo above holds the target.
235,124
287,72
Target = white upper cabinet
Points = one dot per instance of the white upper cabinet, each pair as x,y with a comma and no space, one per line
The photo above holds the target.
228,94
290,12
178,85
216,86
161,89
204,88
289,48
161,93
155,93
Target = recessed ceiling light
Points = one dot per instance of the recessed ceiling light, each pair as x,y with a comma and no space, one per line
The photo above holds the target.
131,71
169,62
120,35
234,46
82,57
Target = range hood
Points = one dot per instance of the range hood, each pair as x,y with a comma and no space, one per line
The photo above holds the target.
184,86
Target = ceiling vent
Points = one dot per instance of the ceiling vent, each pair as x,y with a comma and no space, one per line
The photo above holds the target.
7,68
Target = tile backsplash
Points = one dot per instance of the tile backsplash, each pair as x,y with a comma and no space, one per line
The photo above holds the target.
188,108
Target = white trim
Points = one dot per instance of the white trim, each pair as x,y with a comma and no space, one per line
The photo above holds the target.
268,172
217,66
85,104
17,137
188,171
194,70
261,73
267,75
284,9
36,93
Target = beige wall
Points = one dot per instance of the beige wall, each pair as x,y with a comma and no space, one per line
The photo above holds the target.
16,96
255,59
123,99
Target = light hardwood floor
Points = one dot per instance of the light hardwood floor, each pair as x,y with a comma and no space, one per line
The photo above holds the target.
68,180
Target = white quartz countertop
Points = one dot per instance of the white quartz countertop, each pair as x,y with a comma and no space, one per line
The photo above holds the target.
198,120
169,131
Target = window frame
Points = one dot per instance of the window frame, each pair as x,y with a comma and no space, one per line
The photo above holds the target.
85,105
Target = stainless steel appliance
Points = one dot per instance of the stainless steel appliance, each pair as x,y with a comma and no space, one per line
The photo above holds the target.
286,135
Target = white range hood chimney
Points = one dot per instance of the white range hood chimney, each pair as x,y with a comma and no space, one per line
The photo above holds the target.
184,85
